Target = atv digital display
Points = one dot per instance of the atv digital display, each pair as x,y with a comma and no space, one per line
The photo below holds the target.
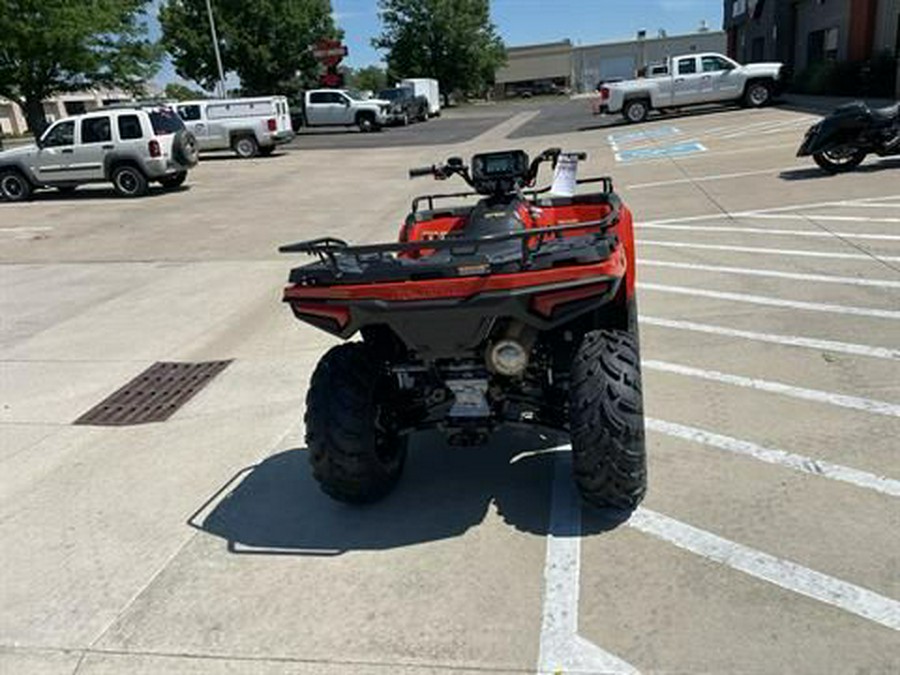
513,164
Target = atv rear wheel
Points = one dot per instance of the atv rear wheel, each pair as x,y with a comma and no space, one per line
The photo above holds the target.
353,452
606,418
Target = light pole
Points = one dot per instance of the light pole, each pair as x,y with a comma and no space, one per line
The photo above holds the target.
215,39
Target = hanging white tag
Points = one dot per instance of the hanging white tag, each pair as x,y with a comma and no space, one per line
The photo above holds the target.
565,177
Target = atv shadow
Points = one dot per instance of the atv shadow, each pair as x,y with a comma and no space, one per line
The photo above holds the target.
813,172
277,508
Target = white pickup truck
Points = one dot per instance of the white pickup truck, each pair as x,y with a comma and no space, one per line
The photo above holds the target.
692,79
343,108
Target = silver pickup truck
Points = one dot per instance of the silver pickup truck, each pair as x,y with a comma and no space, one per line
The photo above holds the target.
692,79
343,108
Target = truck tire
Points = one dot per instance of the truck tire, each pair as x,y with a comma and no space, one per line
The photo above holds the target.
606,419
245,147
636,110
757,94
129,181
353,457
366,122
14,187
184,148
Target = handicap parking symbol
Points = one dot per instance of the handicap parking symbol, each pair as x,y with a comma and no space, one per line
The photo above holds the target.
625,137
677,150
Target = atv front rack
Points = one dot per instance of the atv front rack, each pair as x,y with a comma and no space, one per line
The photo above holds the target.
605,180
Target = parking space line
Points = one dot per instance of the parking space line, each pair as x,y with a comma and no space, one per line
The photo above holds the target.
777,209
790,460
818,216
561,648
768,251
816,395
773,302
786,340
705,179
783,573
763,230
775,274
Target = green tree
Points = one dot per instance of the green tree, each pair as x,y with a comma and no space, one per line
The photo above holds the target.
452,41
52,46
182,93
373,78
266,42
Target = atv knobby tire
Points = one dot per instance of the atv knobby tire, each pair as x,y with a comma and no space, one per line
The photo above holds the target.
353,457
607,420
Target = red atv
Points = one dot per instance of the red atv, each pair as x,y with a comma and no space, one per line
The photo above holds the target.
519,309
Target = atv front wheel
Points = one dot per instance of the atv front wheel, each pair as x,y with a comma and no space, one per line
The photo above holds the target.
353,452
606,418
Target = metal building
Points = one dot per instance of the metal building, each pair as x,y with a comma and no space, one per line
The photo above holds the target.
556,66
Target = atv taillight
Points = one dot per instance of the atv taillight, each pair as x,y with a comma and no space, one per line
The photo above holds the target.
153,148
327,317
604,92
273,125
545,303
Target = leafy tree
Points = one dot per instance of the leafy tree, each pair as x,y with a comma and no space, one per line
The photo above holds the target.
452,41
182,93
373,78
266,42
52,46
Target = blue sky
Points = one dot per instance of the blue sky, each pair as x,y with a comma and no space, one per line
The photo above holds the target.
529,21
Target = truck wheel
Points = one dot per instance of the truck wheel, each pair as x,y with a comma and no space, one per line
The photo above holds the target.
14,187
757,94
636,111
354,455
245,147
129,181
366,122
839,160
606,419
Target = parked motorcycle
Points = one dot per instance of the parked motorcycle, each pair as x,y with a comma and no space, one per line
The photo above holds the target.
841,141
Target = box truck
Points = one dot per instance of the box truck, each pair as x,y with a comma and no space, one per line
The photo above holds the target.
428,88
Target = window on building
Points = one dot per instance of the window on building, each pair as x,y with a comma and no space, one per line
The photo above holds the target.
95,130
822,45
75,108
757,50
60,135
189,113
129,127
687,66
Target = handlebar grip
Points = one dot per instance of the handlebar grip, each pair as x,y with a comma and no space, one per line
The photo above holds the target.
421,171
581,156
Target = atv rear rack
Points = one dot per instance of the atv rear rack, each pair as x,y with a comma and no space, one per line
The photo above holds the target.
338,261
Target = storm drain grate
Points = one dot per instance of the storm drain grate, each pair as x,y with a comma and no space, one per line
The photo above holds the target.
154,395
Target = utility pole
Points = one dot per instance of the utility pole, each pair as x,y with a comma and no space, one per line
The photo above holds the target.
215,39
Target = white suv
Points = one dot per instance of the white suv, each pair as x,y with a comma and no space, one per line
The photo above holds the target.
129,147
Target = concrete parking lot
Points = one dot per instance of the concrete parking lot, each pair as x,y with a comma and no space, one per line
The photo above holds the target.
770,302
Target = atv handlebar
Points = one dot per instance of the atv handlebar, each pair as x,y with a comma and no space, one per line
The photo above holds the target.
454,165
422,171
